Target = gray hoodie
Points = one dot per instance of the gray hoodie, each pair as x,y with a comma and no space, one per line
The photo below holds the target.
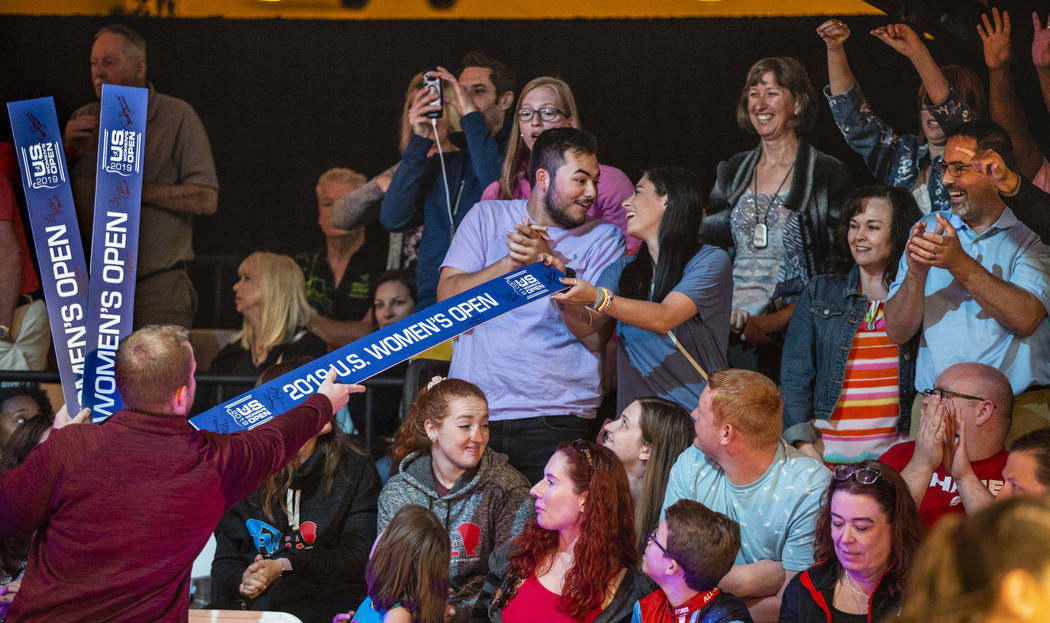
487,507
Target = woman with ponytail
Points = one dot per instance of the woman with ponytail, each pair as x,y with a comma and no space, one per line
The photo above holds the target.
444,464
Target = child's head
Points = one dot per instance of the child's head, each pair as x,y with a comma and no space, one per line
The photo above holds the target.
692,545
409,565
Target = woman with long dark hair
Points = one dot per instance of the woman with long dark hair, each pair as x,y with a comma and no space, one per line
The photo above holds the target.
577,559
848,389
670,302
647,438
300,542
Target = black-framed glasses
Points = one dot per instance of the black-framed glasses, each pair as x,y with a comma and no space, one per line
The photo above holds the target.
579,446
863,475
651,538
942,393
546,113
955,168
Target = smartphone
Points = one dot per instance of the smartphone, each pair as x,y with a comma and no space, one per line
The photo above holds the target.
434,84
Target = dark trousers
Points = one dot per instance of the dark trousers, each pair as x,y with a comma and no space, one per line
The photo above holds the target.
530,442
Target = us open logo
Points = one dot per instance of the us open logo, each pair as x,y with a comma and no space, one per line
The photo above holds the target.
122,152
42,165
525,285
248,412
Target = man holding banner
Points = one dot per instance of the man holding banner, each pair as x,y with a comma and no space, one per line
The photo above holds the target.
121,510
541,381
179,178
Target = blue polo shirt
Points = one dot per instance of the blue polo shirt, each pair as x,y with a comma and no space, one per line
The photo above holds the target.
954,327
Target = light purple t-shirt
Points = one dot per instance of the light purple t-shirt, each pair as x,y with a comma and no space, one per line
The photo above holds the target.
526,361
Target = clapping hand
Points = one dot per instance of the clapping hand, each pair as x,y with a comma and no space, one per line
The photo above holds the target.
527,243
940,248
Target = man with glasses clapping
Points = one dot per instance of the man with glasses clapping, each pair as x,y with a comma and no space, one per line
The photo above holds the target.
955,464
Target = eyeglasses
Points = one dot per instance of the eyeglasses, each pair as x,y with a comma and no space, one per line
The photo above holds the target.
863,475
947,393
956,168
579,446
547,113
651,538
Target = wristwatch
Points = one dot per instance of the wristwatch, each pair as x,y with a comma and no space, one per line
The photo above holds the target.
5,331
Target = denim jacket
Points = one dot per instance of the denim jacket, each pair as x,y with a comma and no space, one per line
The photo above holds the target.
813,366
894,159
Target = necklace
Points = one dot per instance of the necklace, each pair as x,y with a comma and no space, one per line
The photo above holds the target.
861,603
760,237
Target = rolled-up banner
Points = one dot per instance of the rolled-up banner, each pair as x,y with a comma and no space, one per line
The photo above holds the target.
114,241
387,347
56,235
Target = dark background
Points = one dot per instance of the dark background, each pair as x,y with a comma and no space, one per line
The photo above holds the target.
284,100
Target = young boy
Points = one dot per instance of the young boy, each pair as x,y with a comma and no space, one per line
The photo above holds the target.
690,552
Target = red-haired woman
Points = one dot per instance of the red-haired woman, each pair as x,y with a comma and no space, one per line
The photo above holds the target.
576,559
443,463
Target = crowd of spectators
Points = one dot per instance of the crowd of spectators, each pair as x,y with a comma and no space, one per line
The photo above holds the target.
820,398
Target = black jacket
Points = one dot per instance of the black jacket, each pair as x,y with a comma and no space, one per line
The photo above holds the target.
809,595
328,551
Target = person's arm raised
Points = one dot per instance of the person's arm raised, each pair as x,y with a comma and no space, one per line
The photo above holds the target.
834,32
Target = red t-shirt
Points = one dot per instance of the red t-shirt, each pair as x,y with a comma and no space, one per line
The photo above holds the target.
942,497
533,602
9,212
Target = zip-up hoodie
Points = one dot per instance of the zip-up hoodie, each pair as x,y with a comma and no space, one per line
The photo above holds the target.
487,507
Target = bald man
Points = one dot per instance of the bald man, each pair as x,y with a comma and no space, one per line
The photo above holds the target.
955,464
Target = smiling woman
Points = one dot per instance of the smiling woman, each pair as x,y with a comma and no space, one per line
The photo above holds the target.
444,464
839,409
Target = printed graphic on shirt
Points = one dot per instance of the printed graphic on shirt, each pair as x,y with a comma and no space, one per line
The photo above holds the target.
465,539
948,485
268,539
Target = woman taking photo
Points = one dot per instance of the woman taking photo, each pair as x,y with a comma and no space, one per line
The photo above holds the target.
271,297
443,463
546,103
577,559
846,385
647,438
670,302
867,533
775,207
300,542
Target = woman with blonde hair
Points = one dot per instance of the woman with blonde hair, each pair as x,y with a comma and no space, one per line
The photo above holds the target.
546,103
271,297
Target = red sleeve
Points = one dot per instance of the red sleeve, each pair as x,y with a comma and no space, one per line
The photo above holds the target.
247,458
25,491
898,456
8,204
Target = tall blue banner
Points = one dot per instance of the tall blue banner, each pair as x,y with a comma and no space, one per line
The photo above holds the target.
114,241
56,235
387,347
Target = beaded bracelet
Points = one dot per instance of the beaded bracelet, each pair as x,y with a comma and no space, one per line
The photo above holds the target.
603,300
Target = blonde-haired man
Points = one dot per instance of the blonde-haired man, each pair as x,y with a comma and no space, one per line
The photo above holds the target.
339,273
739,466
121,510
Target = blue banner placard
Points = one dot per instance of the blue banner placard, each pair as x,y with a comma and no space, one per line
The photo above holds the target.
56,235
387,347
114,241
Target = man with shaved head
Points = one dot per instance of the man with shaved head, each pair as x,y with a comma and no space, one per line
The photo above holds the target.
955,464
